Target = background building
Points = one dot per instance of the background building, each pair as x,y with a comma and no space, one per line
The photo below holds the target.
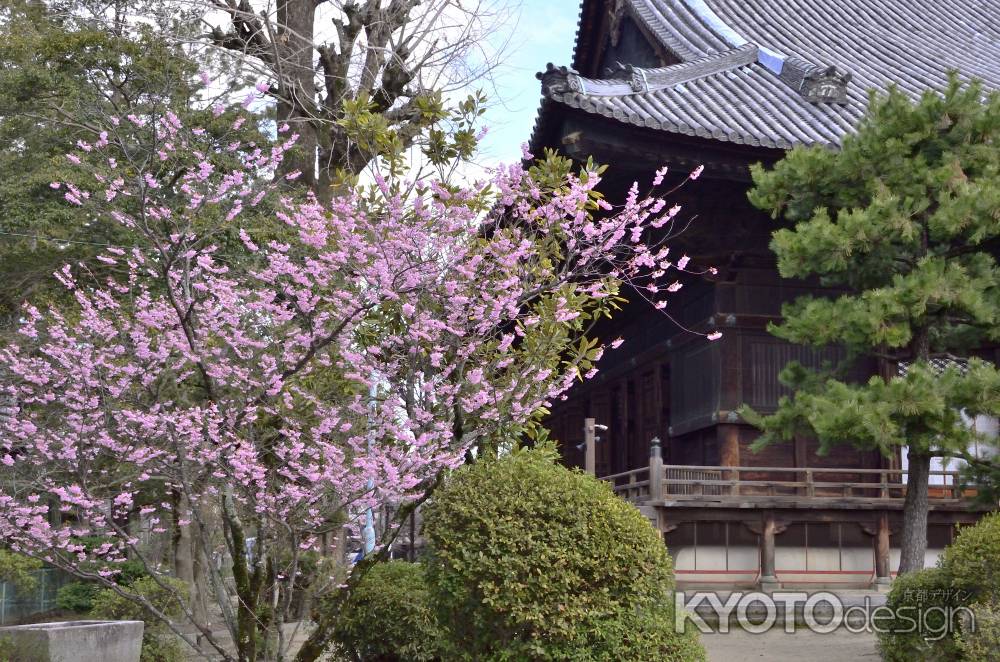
724,84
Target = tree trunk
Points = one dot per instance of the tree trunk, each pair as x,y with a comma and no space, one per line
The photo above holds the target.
297,84
914,542
245,580
188,565
201,592
183,549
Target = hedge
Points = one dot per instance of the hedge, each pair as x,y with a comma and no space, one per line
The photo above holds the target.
388,617
966,585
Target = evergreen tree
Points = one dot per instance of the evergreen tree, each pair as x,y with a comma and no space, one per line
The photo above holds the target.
905,218
65,67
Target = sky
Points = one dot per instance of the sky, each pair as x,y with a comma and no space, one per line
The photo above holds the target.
544,32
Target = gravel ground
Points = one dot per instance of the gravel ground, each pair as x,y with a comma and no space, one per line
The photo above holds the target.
802,645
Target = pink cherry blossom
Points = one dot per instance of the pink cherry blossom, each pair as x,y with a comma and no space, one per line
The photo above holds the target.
341,362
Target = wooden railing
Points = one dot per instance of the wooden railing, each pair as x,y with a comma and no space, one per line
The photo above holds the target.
689,482
630,485
692,480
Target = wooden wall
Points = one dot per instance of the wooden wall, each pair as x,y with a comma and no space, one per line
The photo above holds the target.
678,386
670,383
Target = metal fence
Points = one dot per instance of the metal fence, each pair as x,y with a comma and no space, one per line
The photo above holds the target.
15,606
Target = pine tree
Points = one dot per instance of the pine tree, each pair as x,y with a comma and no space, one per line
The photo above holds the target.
904,218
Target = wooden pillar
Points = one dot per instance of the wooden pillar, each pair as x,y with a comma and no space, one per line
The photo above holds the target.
883,573
729,446
768,578
618,451
590,446
800,452
655,471
729,452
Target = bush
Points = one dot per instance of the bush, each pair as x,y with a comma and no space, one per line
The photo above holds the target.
130,571
159,644
531,560
388,617
963,590
19,570
979,637
77,596
973,559
927,612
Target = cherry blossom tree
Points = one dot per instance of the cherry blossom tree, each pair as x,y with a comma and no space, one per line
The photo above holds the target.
275,389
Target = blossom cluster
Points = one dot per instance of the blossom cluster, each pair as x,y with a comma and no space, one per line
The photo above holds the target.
340,363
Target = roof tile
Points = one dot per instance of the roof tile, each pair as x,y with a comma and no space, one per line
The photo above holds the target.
910,43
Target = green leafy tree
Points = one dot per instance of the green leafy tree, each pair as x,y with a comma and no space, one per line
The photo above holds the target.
905,218
19,570
77,597
958,601
65,67
930,594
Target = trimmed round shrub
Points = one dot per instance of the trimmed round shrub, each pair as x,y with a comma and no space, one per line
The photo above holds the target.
159,644
77,596
919,629
388,617
530,560
973,559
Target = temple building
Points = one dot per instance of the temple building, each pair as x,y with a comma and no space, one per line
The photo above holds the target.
725,84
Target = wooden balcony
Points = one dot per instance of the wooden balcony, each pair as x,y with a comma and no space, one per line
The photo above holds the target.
789,487
767,500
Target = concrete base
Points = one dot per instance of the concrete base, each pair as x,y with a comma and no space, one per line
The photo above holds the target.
882,584
769,584
75,641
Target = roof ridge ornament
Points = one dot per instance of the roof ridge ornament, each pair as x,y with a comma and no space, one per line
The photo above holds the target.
825,85
560,80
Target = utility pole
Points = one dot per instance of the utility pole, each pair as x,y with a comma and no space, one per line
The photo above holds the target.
589,443
590,439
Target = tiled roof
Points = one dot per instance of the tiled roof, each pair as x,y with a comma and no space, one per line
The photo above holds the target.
756,72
